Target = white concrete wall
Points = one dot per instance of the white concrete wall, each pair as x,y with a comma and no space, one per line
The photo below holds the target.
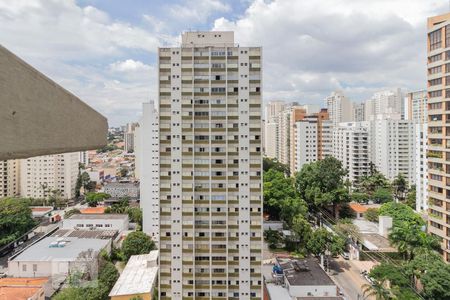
99,224
308,291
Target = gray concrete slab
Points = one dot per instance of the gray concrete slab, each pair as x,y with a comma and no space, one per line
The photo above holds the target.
39,117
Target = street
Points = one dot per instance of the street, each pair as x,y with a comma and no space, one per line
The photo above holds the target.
346,274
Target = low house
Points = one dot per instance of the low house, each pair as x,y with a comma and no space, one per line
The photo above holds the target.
23,288
298,279
63,252
360,210
138,279
41,211
117,222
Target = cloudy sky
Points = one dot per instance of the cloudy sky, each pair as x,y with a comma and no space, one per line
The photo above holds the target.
104,51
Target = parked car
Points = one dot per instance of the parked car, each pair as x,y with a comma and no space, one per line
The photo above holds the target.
369,279
2,274
345,255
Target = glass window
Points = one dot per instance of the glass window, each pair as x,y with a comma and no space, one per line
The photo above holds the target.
435,39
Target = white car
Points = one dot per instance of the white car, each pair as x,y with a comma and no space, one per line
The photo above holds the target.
345,255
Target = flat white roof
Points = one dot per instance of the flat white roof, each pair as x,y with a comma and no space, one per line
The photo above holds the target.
60,249
137,277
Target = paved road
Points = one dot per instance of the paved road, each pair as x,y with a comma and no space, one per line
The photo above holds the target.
347,276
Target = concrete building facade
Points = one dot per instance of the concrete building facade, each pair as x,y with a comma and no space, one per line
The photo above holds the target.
41,175
351,146
210,168
340,108
147,160
392,148
438,43
389,103
9,178
359,112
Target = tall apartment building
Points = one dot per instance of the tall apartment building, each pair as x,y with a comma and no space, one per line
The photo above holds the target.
359,112
326,147
438,44
307,143
9,178
128,137
210,169
41,175
392,147
417,103
147,164
351,147
417,112
340,108
271,121
388,103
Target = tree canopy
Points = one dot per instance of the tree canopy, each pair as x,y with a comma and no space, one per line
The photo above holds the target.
15,219
137,243
93,199
322,183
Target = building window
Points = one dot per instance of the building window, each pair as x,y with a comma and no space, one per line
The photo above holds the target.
24,267
435,39
447,36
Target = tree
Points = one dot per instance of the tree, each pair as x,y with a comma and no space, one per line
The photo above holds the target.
322,183
371,214
277,188
323,242
301,229
400,213
108,275
85,180
291,207
135,215
377,290
389,272
368,184
71,212
360,197
15,219
382,195
411,197
348,230
400,186
274,164
273,238
137,243
93,199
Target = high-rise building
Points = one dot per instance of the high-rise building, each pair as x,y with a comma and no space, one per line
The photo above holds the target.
147,164
271,122
417,110
210,169
42,175
307,143
325,147
392,147
438,43
340,108
128,137
388,103
351,147
9,178
359,112
417,103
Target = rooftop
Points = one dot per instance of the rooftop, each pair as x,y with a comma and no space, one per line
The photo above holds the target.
376,242
138,277
128,185
86,234
41,208
358,207
18,292
304,272
93,210
23,281
60,248
93,216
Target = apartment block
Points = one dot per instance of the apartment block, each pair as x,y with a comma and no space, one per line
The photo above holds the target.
9,178
41,175
351,146
417,104
438,48
340,108
210,169
147,161
128,137
307,143
359,112
392,144
271,123
421,166
388,103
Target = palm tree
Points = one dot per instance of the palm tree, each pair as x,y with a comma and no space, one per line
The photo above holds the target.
377,290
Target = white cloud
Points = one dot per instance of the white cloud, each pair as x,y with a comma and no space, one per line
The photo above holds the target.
129,65
313,47
197,11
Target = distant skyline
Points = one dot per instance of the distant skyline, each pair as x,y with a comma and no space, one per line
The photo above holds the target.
105,51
